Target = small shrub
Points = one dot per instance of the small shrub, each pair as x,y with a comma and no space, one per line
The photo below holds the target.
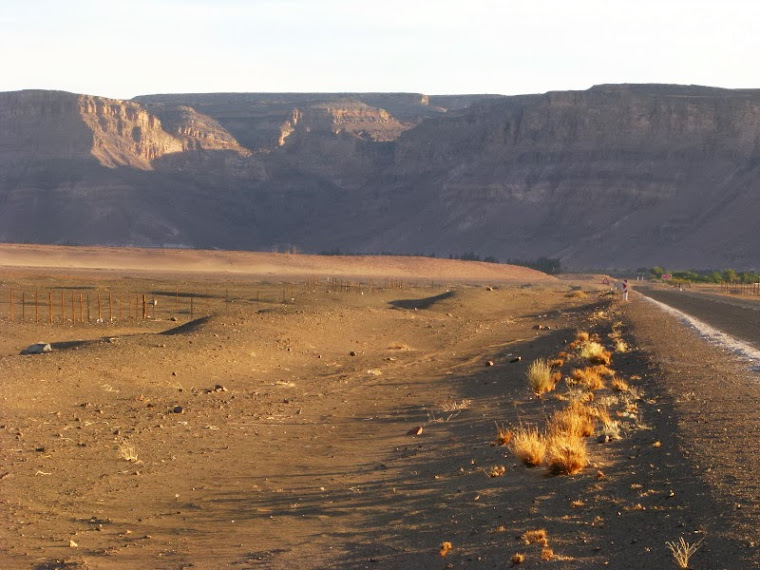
566,455
540,377
682,551
547,554
621,346
517,558
581,336
529,446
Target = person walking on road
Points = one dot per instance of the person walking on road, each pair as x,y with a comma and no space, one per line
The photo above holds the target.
625,289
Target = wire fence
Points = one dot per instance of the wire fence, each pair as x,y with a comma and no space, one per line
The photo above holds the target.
93,304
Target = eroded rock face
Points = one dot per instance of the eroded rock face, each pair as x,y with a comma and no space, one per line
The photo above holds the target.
615,176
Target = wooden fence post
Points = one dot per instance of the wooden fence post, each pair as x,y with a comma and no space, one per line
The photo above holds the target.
50,306
36,308
63,309
192,308
10,302
73,309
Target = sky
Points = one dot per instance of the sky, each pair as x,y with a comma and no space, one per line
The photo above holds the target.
124,48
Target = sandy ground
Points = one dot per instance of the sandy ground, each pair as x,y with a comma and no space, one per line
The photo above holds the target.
274,432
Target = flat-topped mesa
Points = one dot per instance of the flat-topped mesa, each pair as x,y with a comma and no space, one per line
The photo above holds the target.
61,125
351,118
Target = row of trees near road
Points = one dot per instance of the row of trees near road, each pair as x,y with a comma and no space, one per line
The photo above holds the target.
703,276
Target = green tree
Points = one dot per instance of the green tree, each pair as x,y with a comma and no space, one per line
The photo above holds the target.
730,276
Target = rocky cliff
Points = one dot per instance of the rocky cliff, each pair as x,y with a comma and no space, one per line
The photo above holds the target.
615,176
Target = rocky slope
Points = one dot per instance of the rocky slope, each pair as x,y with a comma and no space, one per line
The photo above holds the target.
617,176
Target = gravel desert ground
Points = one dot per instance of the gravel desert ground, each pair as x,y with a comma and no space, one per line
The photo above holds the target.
313,412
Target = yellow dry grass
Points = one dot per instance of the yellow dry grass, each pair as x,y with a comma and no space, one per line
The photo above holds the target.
576,420
503,435
539,376
619,385
547,554
528,445
535,536
595,353
588,378
566,454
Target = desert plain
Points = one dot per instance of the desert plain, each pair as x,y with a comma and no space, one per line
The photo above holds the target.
232,410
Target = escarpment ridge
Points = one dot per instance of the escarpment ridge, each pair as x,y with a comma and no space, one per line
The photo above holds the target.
617,176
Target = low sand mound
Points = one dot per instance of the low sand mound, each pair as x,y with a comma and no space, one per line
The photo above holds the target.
264,265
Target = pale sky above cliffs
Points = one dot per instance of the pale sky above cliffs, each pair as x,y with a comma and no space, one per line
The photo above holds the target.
124,48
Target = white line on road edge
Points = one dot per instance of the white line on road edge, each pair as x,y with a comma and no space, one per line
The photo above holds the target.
713,335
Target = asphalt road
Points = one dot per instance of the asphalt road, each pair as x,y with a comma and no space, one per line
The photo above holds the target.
738,317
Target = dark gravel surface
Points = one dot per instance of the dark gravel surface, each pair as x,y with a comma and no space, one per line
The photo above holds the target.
709,401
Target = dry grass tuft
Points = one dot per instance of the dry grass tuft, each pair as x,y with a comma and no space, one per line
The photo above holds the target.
503,435
588,378
582,336
535,536
517,558
454,406
529,446
547,554
497,471
540,377
578,294
576,420
445,547
556,363
595,353
682,551
621,346
566,455
128,452
620,385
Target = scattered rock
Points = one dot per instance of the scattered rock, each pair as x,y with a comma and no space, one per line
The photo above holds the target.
352,353
516,359
38,348
177,409
415,431
489,362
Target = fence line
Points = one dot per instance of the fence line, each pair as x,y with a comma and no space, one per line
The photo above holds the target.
75,307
